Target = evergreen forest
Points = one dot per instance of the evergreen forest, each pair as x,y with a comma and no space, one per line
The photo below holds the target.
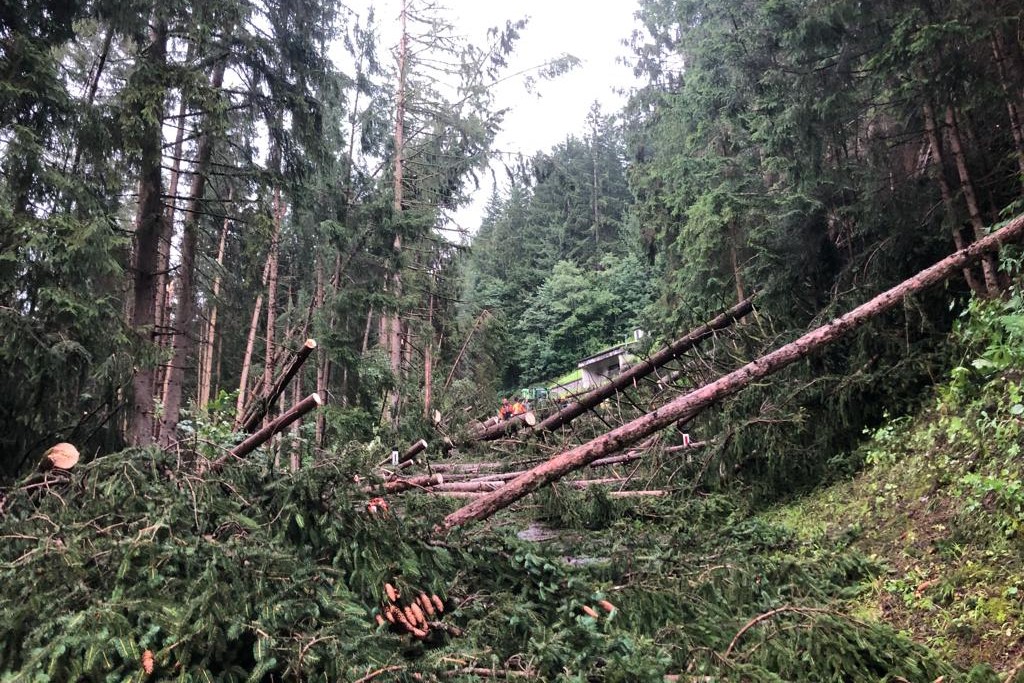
252,356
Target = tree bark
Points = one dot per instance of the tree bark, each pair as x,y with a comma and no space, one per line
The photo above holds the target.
256,440
206,380
1012,108
626,379
262,405
393,325
268,354
988,262
428,359
939,169
250,343
689,405
184,319
148,227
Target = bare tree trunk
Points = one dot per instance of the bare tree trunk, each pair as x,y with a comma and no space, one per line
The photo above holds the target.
206,380
261,407
184,332
256,440
250,343
428,358
939,170
988,262
268,357
1013,111
393,325
689,405
148,226
163,296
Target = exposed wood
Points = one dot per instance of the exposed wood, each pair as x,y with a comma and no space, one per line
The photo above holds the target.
689,405
399,485
259,408
655,493
465,486
428,359
638,371
410,453
587,483
256,440
62,456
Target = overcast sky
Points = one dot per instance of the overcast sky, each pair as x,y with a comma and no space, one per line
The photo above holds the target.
592,31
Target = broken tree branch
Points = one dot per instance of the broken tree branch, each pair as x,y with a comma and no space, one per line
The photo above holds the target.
689,405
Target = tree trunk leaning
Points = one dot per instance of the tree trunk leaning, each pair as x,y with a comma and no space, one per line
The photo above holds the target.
255,414
262,436
627,378
689,405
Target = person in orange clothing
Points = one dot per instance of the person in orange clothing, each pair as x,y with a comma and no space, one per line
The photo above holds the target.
505,411
518,408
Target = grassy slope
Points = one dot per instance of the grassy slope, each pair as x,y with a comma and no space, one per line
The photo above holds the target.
941,506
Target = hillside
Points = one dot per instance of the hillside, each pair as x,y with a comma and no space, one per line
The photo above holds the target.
940,505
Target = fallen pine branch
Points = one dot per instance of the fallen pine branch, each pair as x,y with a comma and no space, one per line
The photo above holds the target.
689,405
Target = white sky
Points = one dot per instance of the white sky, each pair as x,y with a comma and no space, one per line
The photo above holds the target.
591,30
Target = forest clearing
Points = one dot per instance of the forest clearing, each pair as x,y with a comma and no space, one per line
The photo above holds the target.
255,337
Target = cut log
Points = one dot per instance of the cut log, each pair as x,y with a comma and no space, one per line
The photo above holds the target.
468,467
689,405
636,372
261,406
409,454
62,456
262,436
399,485
466,487
636,494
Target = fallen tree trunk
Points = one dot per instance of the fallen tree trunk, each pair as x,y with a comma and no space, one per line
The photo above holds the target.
399,485
689,405
636,372
409,454
637,494
466,486
262,436
261,406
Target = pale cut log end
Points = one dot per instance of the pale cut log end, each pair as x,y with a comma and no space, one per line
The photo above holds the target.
62,456
316,399
530,419
310,344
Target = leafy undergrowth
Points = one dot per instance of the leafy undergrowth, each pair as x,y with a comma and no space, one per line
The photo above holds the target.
941,506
